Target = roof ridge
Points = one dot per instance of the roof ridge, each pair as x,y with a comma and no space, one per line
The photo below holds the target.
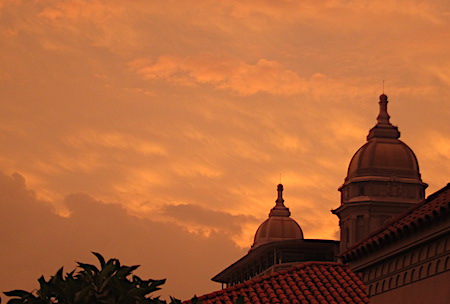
312,282
258,279
433,195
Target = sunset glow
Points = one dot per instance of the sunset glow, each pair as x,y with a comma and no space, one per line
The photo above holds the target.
156,132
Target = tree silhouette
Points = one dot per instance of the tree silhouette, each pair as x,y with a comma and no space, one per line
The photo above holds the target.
111,284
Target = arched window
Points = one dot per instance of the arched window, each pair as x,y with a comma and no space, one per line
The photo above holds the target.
405,278
430,269
397,263
377,287
413,275
428,251
420,272
447,244
439,266
378,272
397,281
391,266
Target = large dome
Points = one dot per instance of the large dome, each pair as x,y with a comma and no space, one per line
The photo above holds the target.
384,155
279,226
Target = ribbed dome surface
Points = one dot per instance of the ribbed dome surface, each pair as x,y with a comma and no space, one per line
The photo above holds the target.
384,157
279,226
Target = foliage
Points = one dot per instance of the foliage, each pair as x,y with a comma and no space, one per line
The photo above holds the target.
111,284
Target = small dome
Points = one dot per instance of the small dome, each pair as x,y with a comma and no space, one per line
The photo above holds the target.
279,226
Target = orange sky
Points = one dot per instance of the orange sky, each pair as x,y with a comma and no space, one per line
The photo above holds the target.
156,131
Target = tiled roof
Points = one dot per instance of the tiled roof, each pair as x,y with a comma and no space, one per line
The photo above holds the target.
309,249
428,211
307,283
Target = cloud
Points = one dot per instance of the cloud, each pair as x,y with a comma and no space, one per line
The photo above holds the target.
199,219
96,11
339,9
90,139
223,73
42,241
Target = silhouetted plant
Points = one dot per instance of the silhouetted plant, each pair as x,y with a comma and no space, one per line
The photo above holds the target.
111,284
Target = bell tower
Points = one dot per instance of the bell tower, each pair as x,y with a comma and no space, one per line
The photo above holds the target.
383,180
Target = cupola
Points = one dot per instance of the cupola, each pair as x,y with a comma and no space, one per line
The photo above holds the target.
279,226
383,180
383,154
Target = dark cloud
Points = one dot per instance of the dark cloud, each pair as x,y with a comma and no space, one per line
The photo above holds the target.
218,221
35,241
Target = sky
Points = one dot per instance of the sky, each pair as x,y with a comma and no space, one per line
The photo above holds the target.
156,132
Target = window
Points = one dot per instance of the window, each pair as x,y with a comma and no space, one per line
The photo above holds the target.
362,190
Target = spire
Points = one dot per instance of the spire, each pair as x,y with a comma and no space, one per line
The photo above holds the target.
383,117
280,199
280,209
383,128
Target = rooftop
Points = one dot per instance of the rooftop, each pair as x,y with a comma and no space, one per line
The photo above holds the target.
306,283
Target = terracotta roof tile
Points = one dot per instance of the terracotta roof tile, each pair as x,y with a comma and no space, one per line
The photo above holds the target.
435,206
310,282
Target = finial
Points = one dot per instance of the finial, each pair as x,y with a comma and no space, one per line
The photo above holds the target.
383,128
280,209
280,199
383,117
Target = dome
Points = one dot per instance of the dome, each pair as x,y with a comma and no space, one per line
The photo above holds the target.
279,226
388,157
384,154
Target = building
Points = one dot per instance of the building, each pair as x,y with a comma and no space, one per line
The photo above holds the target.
383,180
390,234
408,260
395,244
278,244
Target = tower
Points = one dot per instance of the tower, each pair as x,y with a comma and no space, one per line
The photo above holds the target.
383,180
